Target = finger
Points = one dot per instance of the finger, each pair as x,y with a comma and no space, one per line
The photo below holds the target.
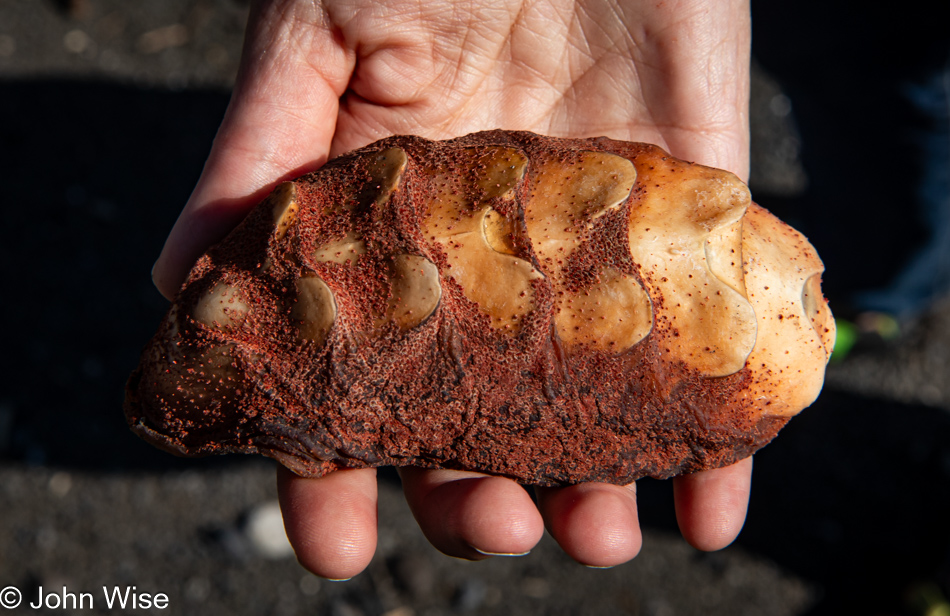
698,91
330,521
279,124
596,524
470,515
711,505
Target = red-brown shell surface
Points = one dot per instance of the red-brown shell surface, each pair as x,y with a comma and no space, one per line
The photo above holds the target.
550,310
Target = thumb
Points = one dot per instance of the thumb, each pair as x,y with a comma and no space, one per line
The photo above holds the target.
279,124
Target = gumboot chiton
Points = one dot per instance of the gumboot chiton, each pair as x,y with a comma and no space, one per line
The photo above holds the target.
551,310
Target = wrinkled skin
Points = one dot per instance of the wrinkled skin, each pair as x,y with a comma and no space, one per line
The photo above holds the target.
317,81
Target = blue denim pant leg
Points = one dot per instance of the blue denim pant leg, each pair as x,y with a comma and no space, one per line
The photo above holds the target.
926,277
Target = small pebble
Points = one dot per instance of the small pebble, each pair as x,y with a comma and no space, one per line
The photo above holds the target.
265,531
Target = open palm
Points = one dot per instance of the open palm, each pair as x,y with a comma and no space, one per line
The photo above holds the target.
319,80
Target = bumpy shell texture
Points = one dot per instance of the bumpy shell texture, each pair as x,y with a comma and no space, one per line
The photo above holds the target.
550,310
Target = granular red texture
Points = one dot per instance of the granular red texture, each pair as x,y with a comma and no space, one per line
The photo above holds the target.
550,310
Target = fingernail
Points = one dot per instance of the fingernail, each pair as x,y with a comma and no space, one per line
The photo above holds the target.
486,553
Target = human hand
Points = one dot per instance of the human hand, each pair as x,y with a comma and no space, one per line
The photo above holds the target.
317,80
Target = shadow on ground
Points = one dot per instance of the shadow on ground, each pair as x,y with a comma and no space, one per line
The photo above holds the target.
93,177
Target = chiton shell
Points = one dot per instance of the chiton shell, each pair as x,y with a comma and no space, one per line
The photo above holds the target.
550,310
